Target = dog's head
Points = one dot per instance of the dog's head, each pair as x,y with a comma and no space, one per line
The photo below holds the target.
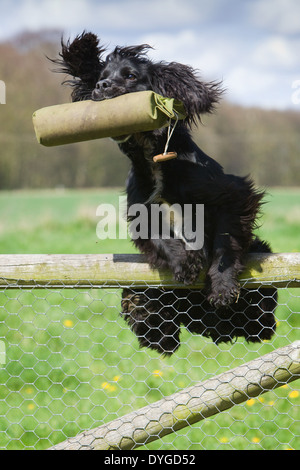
125,70
128,69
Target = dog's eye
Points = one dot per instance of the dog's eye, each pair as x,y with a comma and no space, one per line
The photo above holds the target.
130,76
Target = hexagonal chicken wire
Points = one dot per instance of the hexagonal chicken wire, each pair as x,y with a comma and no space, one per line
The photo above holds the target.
70,363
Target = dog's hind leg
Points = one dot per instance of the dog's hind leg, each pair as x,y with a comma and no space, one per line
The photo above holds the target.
152,316
251,316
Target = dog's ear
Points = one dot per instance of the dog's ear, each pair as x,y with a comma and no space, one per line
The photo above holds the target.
132,52
81,59
180,81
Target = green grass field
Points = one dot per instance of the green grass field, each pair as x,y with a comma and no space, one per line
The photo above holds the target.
72,363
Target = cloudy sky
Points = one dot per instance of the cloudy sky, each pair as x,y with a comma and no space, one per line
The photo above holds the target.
253,45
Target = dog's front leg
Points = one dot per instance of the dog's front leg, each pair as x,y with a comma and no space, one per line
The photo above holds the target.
171,254
185,265
222,276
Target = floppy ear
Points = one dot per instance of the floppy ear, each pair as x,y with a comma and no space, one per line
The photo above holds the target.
82,60
179,81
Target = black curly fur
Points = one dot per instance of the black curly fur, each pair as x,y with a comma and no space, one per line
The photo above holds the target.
223,310
81,59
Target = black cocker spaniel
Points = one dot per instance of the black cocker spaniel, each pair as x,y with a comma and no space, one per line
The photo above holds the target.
223,310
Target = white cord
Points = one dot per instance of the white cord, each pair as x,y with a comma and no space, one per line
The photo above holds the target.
170,133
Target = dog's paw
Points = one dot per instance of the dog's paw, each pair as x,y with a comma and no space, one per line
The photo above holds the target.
132,301
186,274
224,295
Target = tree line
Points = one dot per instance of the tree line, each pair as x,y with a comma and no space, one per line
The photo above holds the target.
252,141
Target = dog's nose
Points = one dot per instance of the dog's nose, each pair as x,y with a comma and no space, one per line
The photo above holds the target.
105,83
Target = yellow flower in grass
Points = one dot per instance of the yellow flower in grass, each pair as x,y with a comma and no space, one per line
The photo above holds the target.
117,378
157,373
224,440
31,406
107,386
68,323
255,440
250,402
294,394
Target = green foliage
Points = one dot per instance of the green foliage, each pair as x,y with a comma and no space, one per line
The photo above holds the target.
254,141
64,221
73,364
30,85
244,140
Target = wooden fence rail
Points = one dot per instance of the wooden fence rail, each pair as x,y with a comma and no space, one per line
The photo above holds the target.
192,404
83,271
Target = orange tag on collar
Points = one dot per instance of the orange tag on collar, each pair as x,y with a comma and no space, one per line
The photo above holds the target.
162,157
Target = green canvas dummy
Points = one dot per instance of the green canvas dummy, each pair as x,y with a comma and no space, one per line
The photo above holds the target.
121,116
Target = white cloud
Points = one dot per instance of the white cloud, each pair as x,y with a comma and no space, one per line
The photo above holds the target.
172,46
49,13
278,53
138,14
252,87
253,44
281,16
31,15
210,55
113,15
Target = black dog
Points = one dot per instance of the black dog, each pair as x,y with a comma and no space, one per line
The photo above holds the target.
223,310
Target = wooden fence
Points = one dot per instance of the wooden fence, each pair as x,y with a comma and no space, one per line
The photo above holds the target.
81,271
189,405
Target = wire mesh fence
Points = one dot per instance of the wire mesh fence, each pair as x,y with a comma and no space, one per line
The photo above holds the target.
69,363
